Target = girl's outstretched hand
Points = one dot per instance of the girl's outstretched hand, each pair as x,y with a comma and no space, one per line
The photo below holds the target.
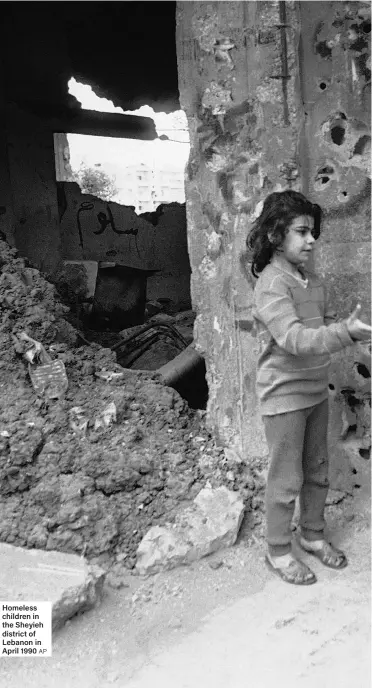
357,329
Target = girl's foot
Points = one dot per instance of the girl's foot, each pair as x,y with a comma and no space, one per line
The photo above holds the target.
325,552
290,569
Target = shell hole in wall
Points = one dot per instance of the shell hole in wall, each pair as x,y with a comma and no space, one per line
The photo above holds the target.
338,134
362,145
323,49
147,181
324,176
365,453
363,370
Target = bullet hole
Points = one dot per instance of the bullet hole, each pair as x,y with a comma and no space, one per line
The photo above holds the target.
357,486
354,471
363,370
324,175
349,432
331,387
351,399
365,453
337,134
366,27
342,196
323,50
361,145
322,85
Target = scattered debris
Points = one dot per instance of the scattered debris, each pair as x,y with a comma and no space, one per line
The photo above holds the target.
48,377
69,483
211,523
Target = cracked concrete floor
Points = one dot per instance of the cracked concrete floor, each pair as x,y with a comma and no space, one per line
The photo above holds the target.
226,625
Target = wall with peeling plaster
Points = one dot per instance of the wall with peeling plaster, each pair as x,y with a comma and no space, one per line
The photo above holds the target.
335,80
275,95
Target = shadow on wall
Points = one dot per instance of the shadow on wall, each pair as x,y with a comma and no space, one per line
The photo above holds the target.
123,259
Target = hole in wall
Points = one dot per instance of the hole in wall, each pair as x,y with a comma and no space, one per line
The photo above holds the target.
323,50
350,432
338,134
365,453
363,370
324,176
362,145
366,27
322,86
331,387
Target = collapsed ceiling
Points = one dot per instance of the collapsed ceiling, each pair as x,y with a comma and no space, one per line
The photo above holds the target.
125,50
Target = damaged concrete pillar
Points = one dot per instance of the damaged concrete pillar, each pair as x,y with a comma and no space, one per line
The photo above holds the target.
336,85
239,86
276,96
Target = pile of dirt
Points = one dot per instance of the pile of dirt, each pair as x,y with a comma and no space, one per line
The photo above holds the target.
91,471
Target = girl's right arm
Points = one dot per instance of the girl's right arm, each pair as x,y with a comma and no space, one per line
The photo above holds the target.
275,308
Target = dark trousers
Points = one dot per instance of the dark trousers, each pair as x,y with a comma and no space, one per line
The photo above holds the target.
298,466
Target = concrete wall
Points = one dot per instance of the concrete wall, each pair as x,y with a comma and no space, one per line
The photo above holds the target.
252,78
335,81
92,229
33,197
173,279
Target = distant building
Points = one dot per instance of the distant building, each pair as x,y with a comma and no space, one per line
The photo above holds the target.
147,188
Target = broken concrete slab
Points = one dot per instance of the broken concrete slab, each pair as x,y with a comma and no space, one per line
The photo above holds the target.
66,580
211,523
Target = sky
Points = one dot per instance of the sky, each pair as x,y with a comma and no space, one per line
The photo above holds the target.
114,154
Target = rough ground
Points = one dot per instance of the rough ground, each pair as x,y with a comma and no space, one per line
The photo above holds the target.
69,484
225,622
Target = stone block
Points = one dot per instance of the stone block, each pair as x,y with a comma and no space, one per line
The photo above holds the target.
66,580
211,523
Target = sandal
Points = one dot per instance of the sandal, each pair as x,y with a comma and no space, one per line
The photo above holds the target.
325,552
295,571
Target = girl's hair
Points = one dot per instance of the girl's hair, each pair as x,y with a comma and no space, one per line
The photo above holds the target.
279,210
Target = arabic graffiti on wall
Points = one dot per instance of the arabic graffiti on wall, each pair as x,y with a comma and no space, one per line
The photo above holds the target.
105,220
93,229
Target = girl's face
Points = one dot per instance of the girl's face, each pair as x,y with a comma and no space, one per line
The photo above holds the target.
299,241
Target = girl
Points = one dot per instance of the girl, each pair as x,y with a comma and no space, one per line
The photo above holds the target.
296,332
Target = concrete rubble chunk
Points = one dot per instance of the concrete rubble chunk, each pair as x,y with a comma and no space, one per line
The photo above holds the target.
66,580
211,523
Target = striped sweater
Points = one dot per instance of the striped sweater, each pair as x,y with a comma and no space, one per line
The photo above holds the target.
296,333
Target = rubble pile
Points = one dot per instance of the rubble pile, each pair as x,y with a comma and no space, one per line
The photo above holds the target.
92,469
